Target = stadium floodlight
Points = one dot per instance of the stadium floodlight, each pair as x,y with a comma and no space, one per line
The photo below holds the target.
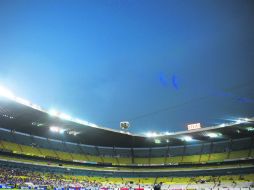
80,121
34,106
61,131
6,93
23,101
239,121
213,135
187,138
167,141
222,125
168,133
92,125
151,134
53,112
54,129
245,120
65,116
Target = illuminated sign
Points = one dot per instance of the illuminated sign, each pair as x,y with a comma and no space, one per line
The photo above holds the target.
194,126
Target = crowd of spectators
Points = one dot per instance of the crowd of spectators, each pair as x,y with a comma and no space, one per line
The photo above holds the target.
21,177
18,177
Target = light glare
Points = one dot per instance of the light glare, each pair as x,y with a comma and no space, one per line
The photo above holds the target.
151,134
213,135
222,125
53,112
56,129
6,93
23,101
65,116
187,138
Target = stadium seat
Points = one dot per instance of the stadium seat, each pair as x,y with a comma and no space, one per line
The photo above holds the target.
64,155
48,153
204,158
218,157
157,160
238,154
176,159
29,150
141,160
191,159
68,156
11,147
125,160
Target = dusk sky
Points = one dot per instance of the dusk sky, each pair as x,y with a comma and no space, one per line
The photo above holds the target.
158,64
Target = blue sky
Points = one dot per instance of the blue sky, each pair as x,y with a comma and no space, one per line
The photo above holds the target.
158,64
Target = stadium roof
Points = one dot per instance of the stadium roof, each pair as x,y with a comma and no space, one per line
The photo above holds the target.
22,116
157,64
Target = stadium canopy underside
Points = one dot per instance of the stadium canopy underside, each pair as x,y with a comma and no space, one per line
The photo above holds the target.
22,118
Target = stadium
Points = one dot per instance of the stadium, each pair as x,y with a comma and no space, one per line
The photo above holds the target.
37,153
127,94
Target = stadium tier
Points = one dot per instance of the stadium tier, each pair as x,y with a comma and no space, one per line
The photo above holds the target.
34,153
69,156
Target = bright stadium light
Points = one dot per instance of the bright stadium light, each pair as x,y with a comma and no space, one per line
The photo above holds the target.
157,141
80,121
6,93
187,138
222,125
23,101
53,112
92,125
152,134
239,121
245,120
34,106
65,116
61,131
213,135
168,133
54,129
235,121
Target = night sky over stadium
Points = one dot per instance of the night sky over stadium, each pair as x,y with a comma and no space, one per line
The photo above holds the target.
158,64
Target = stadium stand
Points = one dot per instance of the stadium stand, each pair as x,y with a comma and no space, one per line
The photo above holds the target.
14,177
31,156
29,150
